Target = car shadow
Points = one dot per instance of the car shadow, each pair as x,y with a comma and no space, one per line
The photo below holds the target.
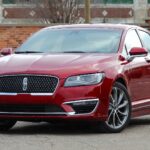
140,121
48,128
66,128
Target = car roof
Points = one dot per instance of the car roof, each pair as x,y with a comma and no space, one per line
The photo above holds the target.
103,25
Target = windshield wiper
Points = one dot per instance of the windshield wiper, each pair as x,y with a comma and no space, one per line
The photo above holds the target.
73,52
27,52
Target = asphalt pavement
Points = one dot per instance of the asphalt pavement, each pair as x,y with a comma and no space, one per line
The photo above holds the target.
44,136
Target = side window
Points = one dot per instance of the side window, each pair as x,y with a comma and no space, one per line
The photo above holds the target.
145,37
132,40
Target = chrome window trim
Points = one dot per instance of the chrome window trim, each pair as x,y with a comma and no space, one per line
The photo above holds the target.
33,94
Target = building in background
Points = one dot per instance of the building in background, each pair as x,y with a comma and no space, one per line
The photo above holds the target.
111,11
20,18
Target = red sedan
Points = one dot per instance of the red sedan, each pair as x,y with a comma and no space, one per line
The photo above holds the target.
98,73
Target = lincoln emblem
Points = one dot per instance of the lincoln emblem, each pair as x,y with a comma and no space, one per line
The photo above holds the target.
25,84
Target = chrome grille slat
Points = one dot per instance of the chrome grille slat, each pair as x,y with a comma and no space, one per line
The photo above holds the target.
37,84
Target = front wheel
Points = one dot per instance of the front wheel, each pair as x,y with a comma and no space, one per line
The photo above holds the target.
6,124
119,112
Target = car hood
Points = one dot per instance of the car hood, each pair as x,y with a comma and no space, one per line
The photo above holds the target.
60,65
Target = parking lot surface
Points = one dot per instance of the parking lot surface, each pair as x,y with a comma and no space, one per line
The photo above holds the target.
44,136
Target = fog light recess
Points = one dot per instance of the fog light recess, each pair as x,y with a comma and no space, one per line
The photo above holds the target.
84,106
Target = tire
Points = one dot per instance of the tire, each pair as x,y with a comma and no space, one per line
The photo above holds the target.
119,112
6,124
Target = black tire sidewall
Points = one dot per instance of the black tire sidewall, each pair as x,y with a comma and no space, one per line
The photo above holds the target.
8,124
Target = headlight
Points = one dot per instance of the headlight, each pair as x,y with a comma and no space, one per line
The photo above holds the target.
87,79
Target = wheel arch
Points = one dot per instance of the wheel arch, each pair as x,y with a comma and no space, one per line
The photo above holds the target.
122,81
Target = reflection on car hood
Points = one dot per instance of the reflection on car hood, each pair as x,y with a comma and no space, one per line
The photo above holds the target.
55,64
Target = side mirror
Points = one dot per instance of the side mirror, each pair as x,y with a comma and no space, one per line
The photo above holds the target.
137,51
6,51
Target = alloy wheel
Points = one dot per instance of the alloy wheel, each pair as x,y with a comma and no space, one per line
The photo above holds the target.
119,108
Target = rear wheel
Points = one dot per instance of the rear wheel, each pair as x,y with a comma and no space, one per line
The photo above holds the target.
6,124
119,112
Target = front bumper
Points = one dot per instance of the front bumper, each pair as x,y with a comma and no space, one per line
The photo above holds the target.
74,101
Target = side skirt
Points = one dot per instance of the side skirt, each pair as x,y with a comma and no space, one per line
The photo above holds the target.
140,108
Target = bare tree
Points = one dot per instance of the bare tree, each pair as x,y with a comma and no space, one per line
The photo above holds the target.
60,11
55,11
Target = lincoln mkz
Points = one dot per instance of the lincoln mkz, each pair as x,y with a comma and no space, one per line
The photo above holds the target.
98,73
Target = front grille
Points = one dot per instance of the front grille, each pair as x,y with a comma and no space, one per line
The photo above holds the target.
30,108
28,84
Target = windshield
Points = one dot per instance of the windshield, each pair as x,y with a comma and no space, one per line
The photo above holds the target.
73,40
